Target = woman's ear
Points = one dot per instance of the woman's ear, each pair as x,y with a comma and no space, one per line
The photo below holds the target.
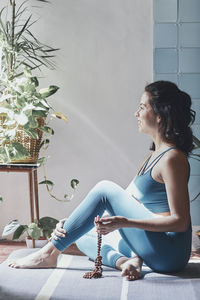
158,119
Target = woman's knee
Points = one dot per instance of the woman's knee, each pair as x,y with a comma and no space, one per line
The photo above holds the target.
104,191
107,186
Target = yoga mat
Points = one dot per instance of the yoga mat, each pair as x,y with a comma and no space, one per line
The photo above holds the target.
66,282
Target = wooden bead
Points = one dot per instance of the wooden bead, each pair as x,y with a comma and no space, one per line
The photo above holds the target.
98,270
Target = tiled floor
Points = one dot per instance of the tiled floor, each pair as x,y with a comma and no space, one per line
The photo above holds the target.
6,247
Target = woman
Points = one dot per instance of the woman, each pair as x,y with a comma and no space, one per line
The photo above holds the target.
153,214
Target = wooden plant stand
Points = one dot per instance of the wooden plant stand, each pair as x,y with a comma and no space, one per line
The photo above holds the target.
31,170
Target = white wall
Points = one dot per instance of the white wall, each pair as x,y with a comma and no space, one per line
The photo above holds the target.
104,62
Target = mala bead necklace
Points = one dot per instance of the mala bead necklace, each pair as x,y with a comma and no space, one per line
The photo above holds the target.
97,272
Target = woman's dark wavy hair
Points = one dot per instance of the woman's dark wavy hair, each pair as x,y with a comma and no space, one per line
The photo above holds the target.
174,108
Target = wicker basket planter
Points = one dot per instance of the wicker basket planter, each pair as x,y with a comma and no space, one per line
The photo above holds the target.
30,144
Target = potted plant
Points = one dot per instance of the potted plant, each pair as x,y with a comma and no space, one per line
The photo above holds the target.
196,232
25,112
24,109
40,230
196,156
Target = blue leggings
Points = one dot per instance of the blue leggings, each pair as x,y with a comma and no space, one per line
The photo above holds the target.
161,251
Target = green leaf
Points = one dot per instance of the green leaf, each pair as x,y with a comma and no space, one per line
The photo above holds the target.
23,28
59,115
74,183
3,155
21,102
46,92
34,231
32,122
47,225
196,141
2,25
17,151
48,182
44,107
41,160
198,155
35,81
39,113
19,231
10,228
46,129
27,72
1,199
45,143
32,133
195,199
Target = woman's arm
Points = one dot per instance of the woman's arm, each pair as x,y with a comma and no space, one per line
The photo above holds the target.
175,176
160,224
174,173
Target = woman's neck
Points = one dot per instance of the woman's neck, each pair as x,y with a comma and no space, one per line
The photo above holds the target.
161,145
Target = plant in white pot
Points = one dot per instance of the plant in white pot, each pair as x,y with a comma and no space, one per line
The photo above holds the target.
40,230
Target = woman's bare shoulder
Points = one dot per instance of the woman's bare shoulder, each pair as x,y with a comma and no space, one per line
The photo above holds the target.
175,155
176,160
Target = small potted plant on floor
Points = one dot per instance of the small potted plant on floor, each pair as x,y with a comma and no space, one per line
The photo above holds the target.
40,231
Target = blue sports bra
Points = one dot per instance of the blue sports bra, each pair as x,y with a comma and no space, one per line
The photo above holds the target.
148,191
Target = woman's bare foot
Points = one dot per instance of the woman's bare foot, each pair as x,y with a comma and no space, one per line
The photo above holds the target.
46,257
130,267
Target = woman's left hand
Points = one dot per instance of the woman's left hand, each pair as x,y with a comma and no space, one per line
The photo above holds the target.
106,225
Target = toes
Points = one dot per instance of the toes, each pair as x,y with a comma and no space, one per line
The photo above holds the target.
130,275
10,263
13,264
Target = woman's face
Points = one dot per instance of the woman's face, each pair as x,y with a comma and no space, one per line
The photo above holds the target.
148,121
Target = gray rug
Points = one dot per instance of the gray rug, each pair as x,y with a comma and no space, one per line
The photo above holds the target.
66,282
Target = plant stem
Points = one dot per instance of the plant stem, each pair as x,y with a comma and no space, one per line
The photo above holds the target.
45,178
195,197
13,4
13,23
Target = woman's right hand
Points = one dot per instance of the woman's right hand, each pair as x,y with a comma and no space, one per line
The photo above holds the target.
59,231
